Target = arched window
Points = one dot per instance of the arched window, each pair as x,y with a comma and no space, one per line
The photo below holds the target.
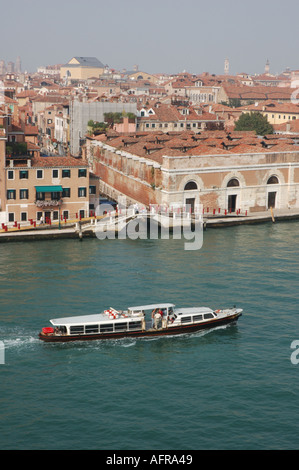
273,180
190,186
233,182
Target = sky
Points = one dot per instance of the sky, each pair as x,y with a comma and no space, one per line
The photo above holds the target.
160,36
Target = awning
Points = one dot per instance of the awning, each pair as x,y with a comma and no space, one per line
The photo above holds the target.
48,189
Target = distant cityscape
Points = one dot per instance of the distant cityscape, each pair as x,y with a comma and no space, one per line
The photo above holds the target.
75,132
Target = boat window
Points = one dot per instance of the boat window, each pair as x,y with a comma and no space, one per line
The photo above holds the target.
106,328
186,319
197,318
208,315
170,311
135,325
120,326
91,328
77,330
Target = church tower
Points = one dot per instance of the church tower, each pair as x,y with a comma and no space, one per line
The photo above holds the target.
226,67
267,67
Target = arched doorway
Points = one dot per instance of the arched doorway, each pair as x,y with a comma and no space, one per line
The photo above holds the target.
190,198
272,192
232,196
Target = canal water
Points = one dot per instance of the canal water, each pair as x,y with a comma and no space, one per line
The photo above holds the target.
235,387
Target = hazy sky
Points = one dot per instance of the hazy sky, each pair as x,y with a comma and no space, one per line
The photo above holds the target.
159,35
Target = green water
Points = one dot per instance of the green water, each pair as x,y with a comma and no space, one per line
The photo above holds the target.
234,387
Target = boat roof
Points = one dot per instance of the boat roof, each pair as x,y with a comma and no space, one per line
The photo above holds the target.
151,306
193,310
94,318
99,317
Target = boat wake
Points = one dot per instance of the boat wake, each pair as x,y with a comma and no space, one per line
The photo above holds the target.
19,340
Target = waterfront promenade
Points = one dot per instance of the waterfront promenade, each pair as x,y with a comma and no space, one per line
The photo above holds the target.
85,227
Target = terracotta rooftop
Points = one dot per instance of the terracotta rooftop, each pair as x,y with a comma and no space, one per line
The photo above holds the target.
154,146
57,162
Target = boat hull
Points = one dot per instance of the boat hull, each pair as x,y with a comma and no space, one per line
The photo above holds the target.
172,330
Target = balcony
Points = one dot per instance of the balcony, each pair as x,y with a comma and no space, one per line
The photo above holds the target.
48,203
48,196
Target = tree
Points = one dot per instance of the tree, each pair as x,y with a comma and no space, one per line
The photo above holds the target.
254,122
96,127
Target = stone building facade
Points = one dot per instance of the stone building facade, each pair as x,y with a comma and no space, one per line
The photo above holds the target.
235,172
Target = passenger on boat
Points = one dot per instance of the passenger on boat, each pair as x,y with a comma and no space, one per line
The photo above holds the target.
153,317
158,319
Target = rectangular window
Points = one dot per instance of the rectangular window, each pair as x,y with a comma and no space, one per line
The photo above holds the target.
91,329
23,216
23,193
197,318
81,192
66,192
77,330
135,325
92,189
82,173
39,215
11,194
10,175
55,196
185,319
55,215
11,217
82,213
23,174
66,173
40,196
65,214
208,315
54,173
121,326
39,174
106,328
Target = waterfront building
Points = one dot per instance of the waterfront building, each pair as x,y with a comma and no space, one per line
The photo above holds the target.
36,188
236,171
